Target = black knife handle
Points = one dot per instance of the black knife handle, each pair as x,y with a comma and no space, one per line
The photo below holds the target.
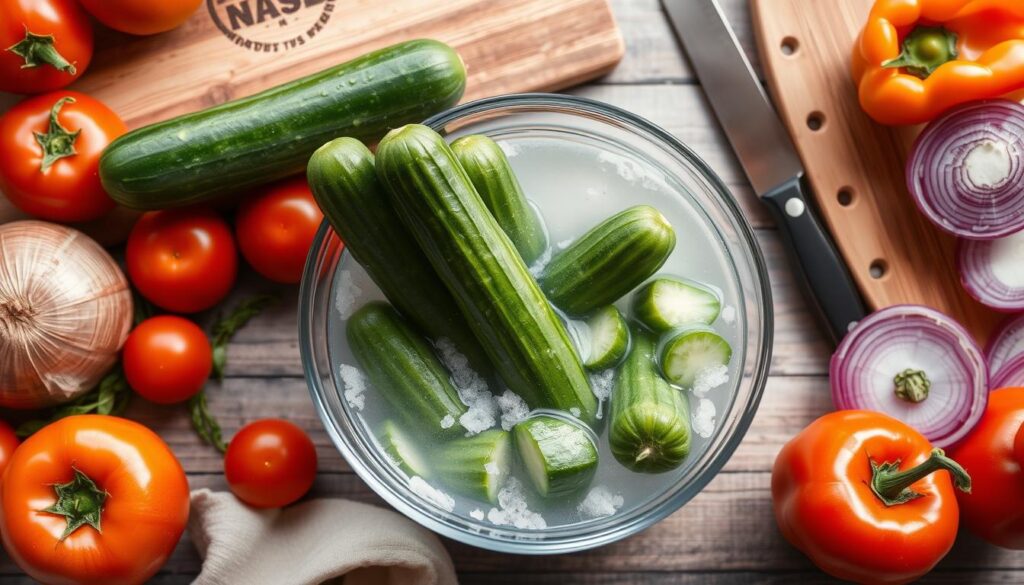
824,278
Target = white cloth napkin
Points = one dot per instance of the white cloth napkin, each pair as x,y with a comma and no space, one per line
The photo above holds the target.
324,540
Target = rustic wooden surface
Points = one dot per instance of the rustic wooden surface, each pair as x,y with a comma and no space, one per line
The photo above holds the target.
726,535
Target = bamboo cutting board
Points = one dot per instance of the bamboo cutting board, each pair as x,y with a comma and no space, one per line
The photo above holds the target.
855,166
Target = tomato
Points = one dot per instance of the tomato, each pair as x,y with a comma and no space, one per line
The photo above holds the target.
270,463
63,185
141,17
8,443
167,359
183,260
93,499
48,44
276,228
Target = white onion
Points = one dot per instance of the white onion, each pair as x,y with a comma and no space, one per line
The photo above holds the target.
65,311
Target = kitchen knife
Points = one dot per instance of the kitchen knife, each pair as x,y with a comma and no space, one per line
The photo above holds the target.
768,157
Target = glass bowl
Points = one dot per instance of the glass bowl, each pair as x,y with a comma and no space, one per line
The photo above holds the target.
574,119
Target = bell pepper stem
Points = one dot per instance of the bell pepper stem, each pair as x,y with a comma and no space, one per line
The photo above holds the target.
38,50
57,142
892,486
925,49
80,501
912,385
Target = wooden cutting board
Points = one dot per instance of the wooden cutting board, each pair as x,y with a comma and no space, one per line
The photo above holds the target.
234,48
855,166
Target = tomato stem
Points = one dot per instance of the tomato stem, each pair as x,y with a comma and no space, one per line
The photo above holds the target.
892,486
38,50
912,385
80,501
58,142
925,49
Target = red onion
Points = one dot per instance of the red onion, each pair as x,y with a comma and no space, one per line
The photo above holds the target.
917,365
966,170
1011,375
992,271
1005,345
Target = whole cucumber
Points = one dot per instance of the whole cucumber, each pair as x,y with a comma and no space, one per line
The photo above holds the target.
270,135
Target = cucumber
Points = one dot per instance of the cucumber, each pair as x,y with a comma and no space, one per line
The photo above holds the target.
692,351
667,303
268,136
609,339
489,170
526,341
403,451
609,261
476,466
649,427
560,457
402,367
344,182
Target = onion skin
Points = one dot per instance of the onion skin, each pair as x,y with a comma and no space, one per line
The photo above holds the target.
65,312
1005,345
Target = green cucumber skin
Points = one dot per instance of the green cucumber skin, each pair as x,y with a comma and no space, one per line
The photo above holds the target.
268,136
392,439
526,341
609,261
647,414
461,464
344,182
489,170
570,456
403,368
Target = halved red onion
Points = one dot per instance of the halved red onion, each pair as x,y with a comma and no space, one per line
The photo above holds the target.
992,271
1011,375
966,171
1005,345
917,365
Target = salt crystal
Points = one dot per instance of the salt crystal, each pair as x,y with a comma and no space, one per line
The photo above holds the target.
492,468
538,266
729,314
447,421
348,293
574,411
600,502
355,386
704,418
513,509
508,148
564,244
482,409
513,409
601,384
710,378
433,495
477,514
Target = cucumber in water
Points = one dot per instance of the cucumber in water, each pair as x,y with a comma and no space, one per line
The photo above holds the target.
476,466
560,457
667,303
692,351
609,339
403,450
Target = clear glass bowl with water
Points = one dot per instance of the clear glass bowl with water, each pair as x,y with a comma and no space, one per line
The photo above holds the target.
583,160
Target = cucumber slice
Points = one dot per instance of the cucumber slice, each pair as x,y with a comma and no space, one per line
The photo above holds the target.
689,353
476,466
560,457
402,450
609,339
666,303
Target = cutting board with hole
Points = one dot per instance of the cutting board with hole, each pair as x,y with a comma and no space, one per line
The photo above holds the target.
855,166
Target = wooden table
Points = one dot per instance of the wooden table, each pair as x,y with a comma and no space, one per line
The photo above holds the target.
726,534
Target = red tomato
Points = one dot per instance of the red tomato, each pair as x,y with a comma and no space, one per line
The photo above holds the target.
270,463
167,359
141,17
64,186
48,44
276,228
8,443
183,260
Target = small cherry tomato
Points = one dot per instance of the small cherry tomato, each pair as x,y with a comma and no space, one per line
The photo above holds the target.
8,443
276,228
183,260
167,359
44,44
270,463
59,181
141,17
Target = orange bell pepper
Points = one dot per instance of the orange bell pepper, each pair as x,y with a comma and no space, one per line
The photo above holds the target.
994,455
916,59
867,498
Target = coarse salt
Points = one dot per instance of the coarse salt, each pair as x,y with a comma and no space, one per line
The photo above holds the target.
600,502
477,514
433,495
355,386
538,266
481,408
513,509
704,418
348,293
729,314
710,378
513,409
448,421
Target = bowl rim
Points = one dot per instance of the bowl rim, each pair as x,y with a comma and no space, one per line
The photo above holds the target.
611,533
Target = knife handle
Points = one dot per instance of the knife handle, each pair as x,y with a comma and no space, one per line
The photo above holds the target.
825,281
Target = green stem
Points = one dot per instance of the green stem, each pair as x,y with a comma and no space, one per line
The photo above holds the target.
38,50
58,142
925,49
892,486
80,501
912,385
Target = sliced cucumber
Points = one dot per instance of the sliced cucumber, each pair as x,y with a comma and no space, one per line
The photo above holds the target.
609,339
560,457
476,466
403,450
692,351
667,303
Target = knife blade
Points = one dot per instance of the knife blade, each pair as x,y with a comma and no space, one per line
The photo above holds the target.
768,157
